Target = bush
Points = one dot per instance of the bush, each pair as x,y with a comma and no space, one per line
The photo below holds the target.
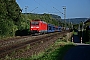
89,35
7,28
10,17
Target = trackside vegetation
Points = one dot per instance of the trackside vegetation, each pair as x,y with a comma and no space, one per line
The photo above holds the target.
10,17
14,22
55,52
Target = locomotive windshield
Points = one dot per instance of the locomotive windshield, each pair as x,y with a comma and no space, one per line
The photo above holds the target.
34,23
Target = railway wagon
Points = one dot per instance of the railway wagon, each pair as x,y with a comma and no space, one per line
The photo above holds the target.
58,28
51,28
38,26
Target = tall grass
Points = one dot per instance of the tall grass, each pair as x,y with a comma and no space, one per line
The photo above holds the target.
55,52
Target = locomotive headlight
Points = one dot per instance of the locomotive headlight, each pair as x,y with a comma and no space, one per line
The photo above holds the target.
37,27
31,27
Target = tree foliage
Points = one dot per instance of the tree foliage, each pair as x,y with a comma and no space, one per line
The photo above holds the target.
12,20
45,17
10,17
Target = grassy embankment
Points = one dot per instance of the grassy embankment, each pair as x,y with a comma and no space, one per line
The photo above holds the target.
55,52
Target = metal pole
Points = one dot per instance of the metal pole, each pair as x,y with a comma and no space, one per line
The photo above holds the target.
26,9
82,31
64,7
69,23
26,14
79,27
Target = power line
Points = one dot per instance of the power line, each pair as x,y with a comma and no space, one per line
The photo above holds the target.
64,7
54,3
57,10
53,7
34,9
40,5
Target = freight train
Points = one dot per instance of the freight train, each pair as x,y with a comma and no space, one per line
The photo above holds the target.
39,26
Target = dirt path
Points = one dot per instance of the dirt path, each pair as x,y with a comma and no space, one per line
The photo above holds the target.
79,52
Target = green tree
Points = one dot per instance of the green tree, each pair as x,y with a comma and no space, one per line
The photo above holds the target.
10,17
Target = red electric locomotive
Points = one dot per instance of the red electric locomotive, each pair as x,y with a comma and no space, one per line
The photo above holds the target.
38,26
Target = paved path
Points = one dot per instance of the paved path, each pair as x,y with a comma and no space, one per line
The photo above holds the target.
79,52
76,39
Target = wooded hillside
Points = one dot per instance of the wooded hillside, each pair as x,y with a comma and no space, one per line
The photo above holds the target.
12,20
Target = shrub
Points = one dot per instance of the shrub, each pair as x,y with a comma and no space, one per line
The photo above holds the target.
7,28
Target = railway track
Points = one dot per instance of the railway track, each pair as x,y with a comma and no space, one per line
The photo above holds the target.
11,47
6,50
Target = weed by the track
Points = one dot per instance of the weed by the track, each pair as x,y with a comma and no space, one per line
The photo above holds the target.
55,52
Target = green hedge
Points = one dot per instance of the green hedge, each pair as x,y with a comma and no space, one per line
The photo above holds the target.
7,28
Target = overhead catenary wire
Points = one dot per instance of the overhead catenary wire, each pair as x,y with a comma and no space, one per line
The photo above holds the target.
52,7
33,9
40,5
58,10
54,3
49,6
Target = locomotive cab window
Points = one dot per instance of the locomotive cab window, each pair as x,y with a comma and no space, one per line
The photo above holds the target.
34,23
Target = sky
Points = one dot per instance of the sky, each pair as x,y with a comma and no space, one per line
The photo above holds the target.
74,8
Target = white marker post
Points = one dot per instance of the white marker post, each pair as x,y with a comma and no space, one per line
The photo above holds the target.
81,39
72,39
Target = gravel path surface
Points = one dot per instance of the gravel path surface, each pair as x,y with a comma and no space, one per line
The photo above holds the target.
79,52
